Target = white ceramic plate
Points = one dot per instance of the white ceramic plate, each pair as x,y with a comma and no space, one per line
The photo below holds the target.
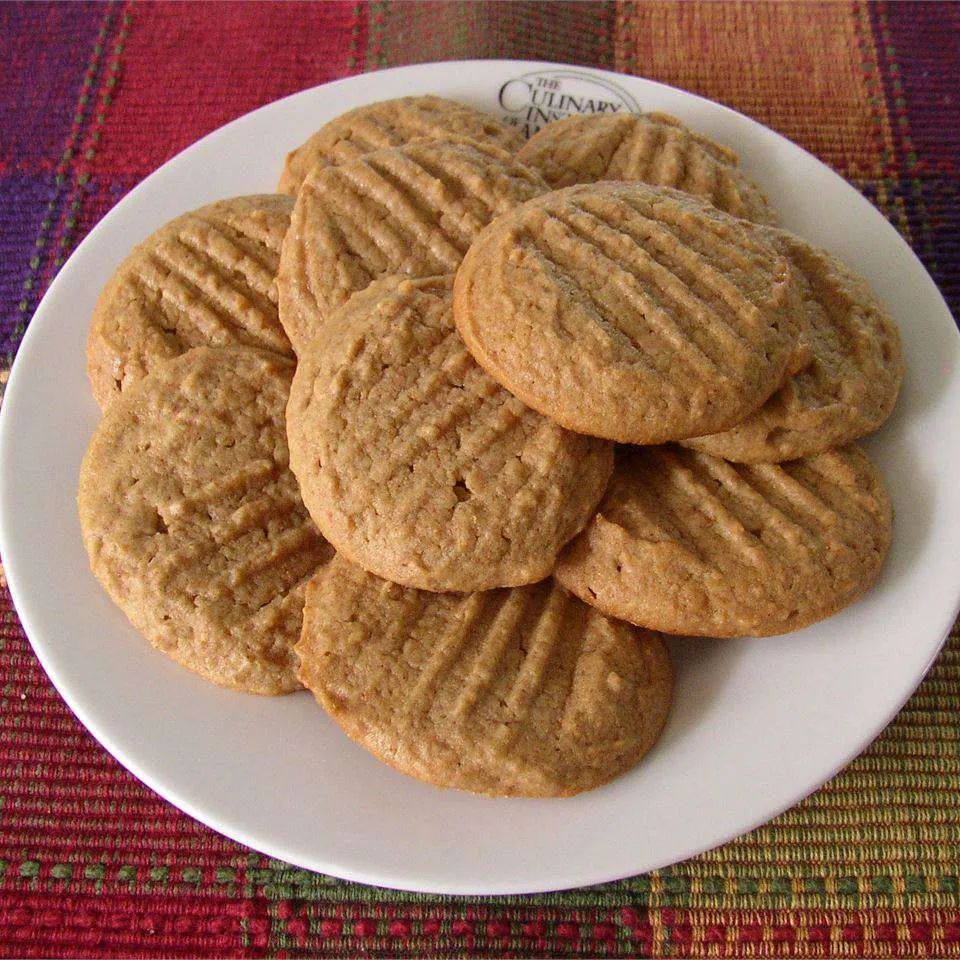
757,725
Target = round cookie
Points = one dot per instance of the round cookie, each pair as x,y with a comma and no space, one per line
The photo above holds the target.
207,278
687,543
192,520
391,123
520,692
411,210
420,467
632,312
653,148
849,383
716,150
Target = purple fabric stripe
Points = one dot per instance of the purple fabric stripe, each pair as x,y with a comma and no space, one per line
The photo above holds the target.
44,49
73,48
919,49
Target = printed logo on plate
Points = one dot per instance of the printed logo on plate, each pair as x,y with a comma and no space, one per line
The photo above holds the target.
535,99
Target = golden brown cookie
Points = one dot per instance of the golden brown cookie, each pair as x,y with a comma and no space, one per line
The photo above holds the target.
849,382
651,147
391,123
412,210
192,519
521,692
627,311
207,278
419,466
687,543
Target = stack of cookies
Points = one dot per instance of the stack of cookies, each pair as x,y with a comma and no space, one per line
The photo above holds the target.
454,426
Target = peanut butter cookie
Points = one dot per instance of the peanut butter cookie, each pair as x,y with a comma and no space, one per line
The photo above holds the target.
207,278
419,466
632,312
412,210
392,123
687,543
192,519
850,377
654,148
521,692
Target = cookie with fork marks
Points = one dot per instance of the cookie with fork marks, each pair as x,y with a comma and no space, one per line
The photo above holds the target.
192,519
519,692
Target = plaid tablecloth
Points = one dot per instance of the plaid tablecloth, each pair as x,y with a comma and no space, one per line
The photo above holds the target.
95,96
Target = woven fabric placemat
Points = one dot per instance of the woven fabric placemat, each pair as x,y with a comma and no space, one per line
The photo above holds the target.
93,97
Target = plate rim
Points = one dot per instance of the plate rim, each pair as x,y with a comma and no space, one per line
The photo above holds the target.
24,605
